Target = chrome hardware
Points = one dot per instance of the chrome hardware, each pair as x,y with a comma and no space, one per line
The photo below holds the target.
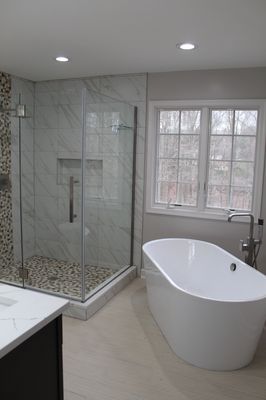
172,205
71,199
249,244
20,111
233,267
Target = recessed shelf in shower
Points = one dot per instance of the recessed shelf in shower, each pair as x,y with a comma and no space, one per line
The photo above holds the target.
67,167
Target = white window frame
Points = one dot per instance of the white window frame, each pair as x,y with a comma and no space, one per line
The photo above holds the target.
205,105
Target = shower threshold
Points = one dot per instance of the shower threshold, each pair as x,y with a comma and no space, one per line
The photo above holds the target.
100,296
63,279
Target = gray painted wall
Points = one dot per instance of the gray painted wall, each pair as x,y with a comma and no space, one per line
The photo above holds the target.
248,83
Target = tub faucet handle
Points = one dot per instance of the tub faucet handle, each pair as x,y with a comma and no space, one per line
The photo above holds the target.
243,245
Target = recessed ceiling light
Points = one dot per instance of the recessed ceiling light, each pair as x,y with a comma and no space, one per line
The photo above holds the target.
186,46
62,59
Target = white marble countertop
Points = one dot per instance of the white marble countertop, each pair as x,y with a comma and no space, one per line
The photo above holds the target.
24,312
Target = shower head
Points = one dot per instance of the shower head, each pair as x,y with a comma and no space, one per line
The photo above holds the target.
120,127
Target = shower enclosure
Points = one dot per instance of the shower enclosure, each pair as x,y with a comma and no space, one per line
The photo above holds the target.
71,184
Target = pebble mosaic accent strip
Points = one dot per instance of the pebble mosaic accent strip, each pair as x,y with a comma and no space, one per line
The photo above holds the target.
58,276
6,230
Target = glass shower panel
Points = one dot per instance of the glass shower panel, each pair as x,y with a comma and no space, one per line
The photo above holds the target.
108,175
10,232
55,265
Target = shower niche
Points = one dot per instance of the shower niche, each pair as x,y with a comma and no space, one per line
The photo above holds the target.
71,167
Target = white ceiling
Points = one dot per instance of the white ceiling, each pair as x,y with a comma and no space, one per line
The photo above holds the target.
105,37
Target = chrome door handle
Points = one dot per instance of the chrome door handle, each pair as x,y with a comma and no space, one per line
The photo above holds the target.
71,199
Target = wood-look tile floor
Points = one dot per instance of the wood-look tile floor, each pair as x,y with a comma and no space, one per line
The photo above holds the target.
120,354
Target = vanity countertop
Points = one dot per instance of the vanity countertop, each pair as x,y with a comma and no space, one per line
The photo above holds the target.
24,312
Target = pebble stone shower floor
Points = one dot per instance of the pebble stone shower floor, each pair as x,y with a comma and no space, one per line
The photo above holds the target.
58,276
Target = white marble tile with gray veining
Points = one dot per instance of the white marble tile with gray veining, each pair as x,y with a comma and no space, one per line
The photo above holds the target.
70,116
46,117
47,86
45,162
46,185
46,139
114,237
125,88
46,208
46,99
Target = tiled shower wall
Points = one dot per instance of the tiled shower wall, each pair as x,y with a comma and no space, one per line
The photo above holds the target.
57,147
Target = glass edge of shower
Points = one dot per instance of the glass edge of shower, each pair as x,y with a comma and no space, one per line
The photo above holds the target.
84,296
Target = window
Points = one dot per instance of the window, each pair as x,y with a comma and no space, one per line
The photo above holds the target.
205,157
178,156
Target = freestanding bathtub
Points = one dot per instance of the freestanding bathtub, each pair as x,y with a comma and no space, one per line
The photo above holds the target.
211,315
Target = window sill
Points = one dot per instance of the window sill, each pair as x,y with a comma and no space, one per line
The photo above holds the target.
218,216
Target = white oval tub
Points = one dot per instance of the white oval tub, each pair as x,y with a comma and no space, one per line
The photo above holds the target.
211,317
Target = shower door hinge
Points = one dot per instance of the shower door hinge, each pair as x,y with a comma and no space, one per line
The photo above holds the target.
23,273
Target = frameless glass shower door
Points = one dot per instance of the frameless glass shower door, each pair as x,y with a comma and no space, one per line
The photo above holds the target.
16,118
108,195
58,183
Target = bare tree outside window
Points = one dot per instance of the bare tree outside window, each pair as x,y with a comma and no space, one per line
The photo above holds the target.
231,158
178,156
205,157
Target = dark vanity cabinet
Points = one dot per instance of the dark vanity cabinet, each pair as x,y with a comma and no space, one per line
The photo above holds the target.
34,369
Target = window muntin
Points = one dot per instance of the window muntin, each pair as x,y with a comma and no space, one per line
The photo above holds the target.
249,118
231,162
178,141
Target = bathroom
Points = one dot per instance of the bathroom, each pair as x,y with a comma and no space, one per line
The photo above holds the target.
84,187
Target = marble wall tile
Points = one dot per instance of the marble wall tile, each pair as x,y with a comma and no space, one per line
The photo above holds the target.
27,186
112,258
125,88
23,87
46,140
46,99
45,162
45,208
46,117
114,238
92,255
26,162
119,216
46,185
70,91
46,86
69,140
47,229
70,116
26,138
93,145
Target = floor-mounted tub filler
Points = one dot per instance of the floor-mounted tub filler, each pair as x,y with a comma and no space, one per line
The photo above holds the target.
210,306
